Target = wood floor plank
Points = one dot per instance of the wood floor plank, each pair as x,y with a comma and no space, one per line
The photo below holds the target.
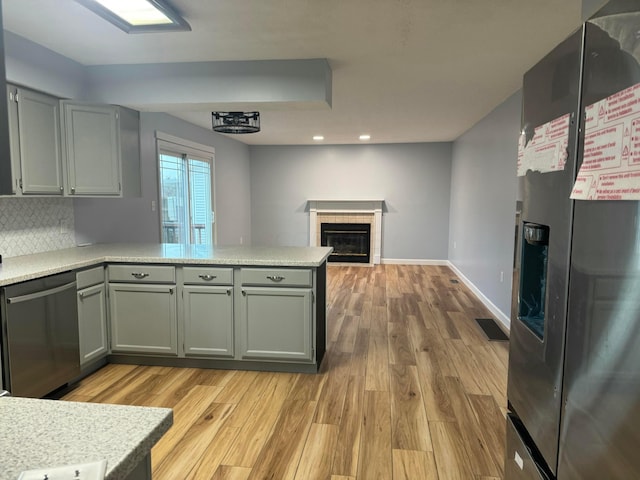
436,399
492,373
103,380
450,452
414,465
377,363
360,353
249,442
179,460
331,400
492,428
185,414
208,463
465,364
348,444
478,450
409,427
348,332
375,450
318,453
400,348
225,472
281,454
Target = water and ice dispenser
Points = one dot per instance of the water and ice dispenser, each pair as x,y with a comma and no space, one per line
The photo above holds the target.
533,277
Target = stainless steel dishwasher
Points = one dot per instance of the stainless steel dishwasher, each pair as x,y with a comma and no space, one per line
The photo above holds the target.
40,335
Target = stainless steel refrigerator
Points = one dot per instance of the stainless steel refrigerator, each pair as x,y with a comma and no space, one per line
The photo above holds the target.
574,359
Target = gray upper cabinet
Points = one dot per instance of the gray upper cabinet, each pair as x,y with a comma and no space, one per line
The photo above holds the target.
64,147
35,142
92,149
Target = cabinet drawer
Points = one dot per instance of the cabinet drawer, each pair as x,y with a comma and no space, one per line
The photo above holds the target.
142,274
281,277
88,278
208,276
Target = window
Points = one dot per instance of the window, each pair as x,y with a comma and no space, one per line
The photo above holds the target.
186,191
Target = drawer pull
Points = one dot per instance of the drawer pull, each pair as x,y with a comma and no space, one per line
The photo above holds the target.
207,277
275,278
139,275
228,291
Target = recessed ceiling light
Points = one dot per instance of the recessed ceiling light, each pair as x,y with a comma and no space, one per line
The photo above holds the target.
318,138
365,137
138,16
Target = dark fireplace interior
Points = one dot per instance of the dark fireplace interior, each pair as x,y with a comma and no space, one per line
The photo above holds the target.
351,242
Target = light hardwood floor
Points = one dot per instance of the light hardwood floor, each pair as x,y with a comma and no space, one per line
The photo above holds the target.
410,389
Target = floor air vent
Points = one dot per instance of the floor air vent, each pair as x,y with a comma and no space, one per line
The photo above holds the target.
492,330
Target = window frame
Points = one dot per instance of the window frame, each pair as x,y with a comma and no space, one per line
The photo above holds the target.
179,147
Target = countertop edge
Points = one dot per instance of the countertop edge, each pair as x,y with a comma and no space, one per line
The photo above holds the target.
89,259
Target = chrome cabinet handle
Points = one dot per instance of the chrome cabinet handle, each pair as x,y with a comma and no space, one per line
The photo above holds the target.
275,278
139,275
228,291
207,277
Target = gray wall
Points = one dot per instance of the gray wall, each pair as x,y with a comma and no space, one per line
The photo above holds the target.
132,219
413,179
483,196
32,65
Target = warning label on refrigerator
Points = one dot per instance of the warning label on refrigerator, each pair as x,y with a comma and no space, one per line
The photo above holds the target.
547,149
610,167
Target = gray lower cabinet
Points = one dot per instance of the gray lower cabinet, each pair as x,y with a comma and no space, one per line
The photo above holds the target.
276,323
92,323
143,318
208,320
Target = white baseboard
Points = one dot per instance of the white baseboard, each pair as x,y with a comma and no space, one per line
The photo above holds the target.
412,261
504,319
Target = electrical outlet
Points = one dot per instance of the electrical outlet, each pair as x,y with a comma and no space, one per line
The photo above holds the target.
241,240
501,277
153,205
454,245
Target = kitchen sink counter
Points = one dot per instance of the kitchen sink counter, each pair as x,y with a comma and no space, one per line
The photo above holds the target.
27,267
37,434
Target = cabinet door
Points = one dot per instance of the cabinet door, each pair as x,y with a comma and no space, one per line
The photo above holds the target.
14,138
208,321
143,318
276,323
92,149
39,140
92,323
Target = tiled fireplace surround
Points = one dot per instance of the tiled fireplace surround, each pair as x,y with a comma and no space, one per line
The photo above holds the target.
347,211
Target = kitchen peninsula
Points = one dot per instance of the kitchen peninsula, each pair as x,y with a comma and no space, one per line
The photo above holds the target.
257,308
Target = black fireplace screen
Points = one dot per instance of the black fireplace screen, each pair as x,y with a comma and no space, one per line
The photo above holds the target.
351,242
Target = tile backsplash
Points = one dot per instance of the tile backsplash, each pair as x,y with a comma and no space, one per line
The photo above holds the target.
33,225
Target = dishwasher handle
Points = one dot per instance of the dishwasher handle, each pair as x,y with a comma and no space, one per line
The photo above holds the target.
44,293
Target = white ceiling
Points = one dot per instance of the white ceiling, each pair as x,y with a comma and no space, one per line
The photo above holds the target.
403,70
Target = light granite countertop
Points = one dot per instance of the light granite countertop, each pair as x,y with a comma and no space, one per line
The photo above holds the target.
48,433
27,267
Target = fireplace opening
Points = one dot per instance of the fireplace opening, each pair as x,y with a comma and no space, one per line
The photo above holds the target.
351,242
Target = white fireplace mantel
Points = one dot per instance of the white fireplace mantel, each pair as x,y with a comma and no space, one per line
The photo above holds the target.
373,207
